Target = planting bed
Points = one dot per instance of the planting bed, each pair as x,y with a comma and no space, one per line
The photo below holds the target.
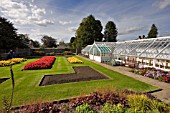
153,73
3,80
45,62
108,102
82,73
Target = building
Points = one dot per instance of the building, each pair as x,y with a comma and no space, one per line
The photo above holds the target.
153,52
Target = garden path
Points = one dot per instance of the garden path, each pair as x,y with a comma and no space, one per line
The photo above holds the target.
163,95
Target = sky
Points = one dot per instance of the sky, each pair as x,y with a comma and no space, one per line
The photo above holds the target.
60,18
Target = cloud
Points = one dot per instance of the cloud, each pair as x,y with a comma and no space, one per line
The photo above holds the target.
128,17
72,29
166,33
130,30
164,3
13,9
23,13
51,12
37,11
44,22
64,22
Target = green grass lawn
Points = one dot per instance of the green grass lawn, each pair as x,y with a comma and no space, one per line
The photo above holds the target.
27,89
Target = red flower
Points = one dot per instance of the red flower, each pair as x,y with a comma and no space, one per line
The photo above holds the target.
43,63
167,79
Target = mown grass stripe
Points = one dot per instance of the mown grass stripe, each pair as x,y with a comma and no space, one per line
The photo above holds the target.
27,88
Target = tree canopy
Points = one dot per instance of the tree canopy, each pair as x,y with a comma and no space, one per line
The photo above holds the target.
62,43
153,32
110,32
36,44
8,35
88,32
49,41
28,42
71,42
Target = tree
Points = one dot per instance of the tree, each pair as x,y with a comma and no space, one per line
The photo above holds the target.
24,39
8,35
71,41
36,44
110,32
153,32
27,41
88,32
62,43
139,37
49,41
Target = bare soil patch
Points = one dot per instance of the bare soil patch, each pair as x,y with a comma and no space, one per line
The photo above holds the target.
82,73
3,80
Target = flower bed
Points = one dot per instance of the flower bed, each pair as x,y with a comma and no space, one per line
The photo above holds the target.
11,61
107,102
43,63
74,60
153,73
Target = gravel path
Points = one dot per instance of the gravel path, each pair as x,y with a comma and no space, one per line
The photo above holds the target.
163,95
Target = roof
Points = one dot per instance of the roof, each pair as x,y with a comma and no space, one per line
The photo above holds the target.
87,48
158,48
62,47
104,49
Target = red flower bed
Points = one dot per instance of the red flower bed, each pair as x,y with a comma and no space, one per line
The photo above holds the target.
43,63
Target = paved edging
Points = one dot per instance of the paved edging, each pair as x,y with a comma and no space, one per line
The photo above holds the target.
163,95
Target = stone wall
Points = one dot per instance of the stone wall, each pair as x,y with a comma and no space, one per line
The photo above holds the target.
50,50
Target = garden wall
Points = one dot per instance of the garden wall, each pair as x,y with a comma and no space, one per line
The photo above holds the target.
4,53
55,50
25,52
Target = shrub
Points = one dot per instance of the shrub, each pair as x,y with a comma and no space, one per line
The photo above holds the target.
112,108
141,103
68,53
50,54
98,99
38,53
85,108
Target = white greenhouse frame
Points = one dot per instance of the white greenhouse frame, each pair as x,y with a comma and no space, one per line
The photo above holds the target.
100,52
154,52
85,51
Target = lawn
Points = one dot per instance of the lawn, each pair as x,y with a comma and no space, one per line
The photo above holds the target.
27,89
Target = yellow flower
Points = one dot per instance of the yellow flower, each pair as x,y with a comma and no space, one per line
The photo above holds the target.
11,61
74,60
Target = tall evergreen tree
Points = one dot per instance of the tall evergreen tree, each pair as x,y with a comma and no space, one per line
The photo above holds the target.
110,32
8,35
153,32
71,41
88,32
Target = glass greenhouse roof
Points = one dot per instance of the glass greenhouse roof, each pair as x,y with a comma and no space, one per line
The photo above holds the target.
158,48
87,48
104,49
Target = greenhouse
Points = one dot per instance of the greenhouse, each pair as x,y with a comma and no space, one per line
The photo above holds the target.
153,52
100,52
85,51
